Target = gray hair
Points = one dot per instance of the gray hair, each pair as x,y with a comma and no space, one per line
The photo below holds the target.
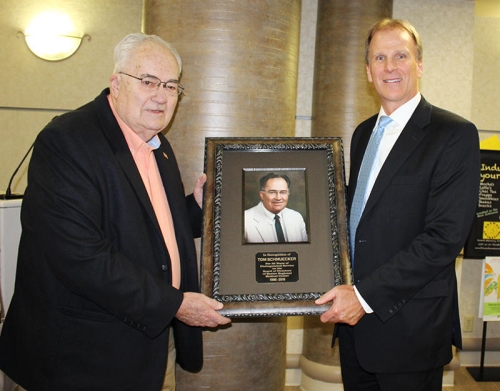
128,45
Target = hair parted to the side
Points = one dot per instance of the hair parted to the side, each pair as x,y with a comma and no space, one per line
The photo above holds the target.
389,24
130,43
272,175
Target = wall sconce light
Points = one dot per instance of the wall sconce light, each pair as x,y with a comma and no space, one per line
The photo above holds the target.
52,36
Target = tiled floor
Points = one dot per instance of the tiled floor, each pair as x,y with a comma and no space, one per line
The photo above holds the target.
463,382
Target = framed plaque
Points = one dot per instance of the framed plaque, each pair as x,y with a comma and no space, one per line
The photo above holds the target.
253,264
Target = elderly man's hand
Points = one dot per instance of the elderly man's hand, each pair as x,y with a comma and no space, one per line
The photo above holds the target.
198,189
199,310
345,308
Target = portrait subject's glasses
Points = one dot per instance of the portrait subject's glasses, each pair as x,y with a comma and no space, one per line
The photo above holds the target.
152,83
274,193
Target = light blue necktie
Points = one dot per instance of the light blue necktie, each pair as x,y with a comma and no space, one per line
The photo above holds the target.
358,202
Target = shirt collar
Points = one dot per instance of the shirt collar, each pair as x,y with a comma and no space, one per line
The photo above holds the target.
270,215
403,114
154,142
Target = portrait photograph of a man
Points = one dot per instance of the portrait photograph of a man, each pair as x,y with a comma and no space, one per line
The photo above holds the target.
275,206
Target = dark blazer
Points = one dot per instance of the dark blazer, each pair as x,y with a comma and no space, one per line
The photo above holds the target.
413,227
93,299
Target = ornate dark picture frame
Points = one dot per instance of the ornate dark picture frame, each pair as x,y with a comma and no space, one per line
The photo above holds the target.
273,279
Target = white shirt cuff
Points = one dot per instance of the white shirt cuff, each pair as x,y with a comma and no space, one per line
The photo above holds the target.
364,304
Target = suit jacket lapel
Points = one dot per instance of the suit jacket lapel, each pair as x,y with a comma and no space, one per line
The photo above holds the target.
357,157
411,136
120,148
167,166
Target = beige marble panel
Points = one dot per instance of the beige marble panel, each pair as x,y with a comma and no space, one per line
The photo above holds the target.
306,57
446,28
18,130
32,83
486,86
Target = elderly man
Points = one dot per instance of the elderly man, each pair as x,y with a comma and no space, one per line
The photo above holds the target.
107,263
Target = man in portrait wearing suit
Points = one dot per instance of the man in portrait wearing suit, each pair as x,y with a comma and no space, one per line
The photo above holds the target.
107,274
411,207
270,221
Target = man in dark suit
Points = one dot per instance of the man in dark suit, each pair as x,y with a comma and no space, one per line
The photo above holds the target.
107,264
397,324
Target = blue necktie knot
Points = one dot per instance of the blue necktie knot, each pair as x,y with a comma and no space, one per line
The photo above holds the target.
383,122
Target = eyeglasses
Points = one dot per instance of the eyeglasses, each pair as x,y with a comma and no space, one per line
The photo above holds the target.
274,193
152,83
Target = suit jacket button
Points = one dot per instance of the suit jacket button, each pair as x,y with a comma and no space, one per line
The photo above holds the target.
391,310
164,267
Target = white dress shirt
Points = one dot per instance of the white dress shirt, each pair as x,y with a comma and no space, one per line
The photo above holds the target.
400,118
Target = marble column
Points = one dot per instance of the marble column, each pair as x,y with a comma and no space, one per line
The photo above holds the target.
240,62
249,355
240,66
342,98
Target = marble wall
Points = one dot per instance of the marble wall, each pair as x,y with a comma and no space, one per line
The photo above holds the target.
35,90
